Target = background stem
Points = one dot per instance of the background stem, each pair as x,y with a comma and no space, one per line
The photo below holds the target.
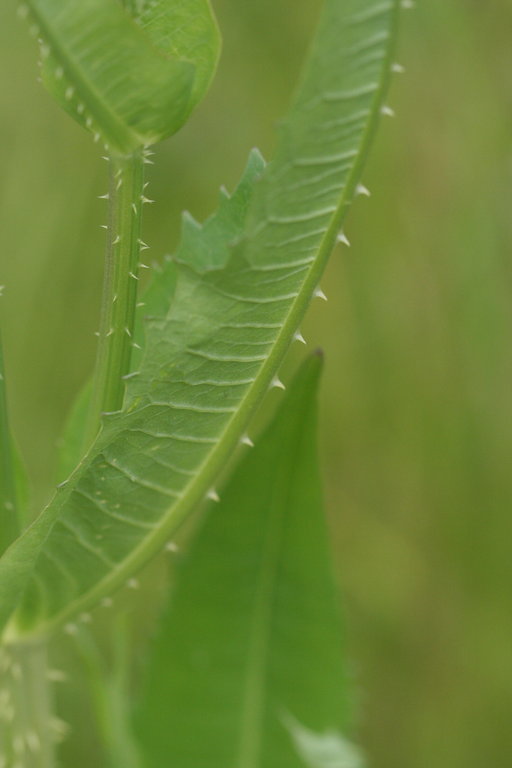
119,288
28,731
109,686
9,522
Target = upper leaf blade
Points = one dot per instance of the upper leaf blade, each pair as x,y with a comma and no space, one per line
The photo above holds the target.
131,80
248,667
187,30
211,355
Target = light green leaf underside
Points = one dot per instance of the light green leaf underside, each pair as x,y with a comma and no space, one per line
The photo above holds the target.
209,361
250,646
132,79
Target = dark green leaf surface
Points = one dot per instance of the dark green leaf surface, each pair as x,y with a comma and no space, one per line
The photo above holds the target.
211,355
248,667
131,77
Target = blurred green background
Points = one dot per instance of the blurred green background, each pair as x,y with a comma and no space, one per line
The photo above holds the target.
417,406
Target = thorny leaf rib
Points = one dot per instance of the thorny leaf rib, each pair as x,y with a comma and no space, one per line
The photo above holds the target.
209,361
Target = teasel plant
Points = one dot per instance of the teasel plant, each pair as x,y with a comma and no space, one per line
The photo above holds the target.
247,667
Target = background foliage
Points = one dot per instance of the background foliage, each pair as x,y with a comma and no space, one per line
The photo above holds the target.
416,409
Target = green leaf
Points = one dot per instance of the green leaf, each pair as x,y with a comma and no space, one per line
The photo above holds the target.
208,246
211,355
131,77
187,30
248,668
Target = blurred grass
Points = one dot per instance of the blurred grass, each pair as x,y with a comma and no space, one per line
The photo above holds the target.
417,410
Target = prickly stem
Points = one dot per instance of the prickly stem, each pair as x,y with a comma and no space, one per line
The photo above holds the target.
27,722
119,288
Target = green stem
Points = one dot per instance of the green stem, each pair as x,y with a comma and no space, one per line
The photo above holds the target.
9,521
119,288
109,686
28,731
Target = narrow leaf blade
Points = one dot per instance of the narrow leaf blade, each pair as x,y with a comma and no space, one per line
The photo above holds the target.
249,656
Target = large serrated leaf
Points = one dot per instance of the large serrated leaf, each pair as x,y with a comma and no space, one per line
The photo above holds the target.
248,666
130,75
211,357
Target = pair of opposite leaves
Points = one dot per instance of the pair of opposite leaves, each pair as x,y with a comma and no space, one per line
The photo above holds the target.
131,71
